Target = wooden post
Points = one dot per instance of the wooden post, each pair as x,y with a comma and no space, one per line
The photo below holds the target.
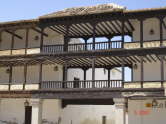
94,34
40,75
141,33
65,69
142,71
26,40
93,72
109,42
85,70
85,40
41,40
12,43
10,75
109,78
123,25
25,76
66,38
162,70
123,71
161,31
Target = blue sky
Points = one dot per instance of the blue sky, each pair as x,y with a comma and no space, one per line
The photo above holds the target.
27,9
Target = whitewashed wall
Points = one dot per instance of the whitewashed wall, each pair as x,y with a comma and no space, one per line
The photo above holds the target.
52,112
149,24
88,114
13,110
152,72
140,114
100,74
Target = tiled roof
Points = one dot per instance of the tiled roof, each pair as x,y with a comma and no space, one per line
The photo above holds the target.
86,10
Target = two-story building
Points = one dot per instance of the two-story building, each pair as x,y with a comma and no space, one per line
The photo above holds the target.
68,67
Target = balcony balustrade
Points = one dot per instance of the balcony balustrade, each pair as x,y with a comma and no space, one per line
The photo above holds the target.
77,47
87,84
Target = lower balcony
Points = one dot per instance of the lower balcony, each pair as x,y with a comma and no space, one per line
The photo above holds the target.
88,84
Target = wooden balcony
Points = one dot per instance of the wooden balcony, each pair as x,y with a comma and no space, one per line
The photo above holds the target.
88,84
79,47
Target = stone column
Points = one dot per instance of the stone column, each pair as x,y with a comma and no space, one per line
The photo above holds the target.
120,116
36,111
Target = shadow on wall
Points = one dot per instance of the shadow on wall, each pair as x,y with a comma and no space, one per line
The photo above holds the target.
94,121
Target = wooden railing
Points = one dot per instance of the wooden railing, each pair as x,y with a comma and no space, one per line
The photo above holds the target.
82,47
81,84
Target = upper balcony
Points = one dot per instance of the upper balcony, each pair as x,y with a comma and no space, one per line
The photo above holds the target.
53,35
81,47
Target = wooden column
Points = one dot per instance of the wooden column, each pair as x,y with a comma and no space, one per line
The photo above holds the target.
66,38
12,43
85,70
65,70
25,76
40,75
41,50
141,33
26,40
162,69
93,72
142,71
109,77
161,30
94,34
41,40
132,76
123,71
10,75
109,42
123,33
86,40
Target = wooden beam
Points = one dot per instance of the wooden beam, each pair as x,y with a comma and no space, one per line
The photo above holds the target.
12,33
118,30
39,31
131,26
164,24
54,29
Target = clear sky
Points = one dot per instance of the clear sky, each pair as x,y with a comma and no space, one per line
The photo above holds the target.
27,9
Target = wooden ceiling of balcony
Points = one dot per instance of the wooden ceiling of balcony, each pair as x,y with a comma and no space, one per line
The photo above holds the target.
103,28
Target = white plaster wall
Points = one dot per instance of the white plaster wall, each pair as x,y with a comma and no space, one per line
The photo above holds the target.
100,74
50,74
18,74
4,77
151,72
52,112
140,114
5,40
88,114
149,24
20,43
13,110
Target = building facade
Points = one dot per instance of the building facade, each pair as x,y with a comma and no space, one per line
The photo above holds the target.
48,75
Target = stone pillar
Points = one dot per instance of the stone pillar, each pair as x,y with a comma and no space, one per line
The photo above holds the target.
120,116
36,111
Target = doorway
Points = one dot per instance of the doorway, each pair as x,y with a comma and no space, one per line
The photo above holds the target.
28,114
